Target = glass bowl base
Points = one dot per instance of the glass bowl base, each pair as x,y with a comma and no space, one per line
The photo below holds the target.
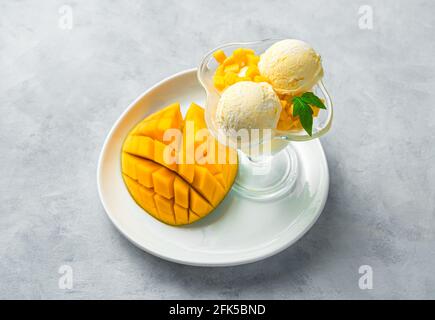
267,178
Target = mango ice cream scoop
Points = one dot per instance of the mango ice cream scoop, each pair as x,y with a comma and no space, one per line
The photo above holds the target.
248,105
292,66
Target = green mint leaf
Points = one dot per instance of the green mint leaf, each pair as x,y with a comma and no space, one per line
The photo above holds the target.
305,113
299,107
311,99
307,122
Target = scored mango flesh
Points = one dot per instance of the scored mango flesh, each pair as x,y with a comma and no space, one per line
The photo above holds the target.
183,191
242,65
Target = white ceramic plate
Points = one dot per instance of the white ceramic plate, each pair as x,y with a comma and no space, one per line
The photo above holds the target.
240,230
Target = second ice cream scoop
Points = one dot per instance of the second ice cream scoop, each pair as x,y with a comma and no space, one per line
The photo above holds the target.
292,66
248,105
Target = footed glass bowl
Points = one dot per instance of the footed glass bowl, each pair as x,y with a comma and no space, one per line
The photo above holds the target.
262,176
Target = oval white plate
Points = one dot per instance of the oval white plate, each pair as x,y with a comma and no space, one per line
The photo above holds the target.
240,230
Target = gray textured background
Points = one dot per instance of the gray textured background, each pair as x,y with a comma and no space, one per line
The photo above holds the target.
61,91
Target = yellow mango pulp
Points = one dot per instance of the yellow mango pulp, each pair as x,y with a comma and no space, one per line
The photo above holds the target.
227,73
220,56
286,120
185,190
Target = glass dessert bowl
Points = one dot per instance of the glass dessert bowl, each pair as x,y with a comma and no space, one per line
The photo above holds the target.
268,164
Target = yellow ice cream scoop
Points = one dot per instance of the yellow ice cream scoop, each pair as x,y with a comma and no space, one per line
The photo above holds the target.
248,105
292,66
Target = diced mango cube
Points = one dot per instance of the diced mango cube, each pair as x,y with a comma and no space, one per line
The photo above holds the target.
198,204
146,147
230,78
220,70
128,165
162,126
218,195
240,56
232,68
219,82
140,146
220,56
229,60
186,171
252,71
239,53
204,181
147,196
220,178
214,168
161,156
163,181
252,60
181,214
181,192
165,208
145,171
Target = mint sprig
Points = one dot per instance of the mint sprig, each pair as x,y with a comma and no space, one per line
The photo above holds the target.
302,108
313,100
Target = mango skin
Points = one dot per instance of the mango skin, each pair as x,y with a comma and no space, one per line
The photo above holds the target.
174,193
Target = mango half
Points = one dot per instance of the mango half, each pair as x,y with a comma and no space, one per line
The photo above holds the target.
180,179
